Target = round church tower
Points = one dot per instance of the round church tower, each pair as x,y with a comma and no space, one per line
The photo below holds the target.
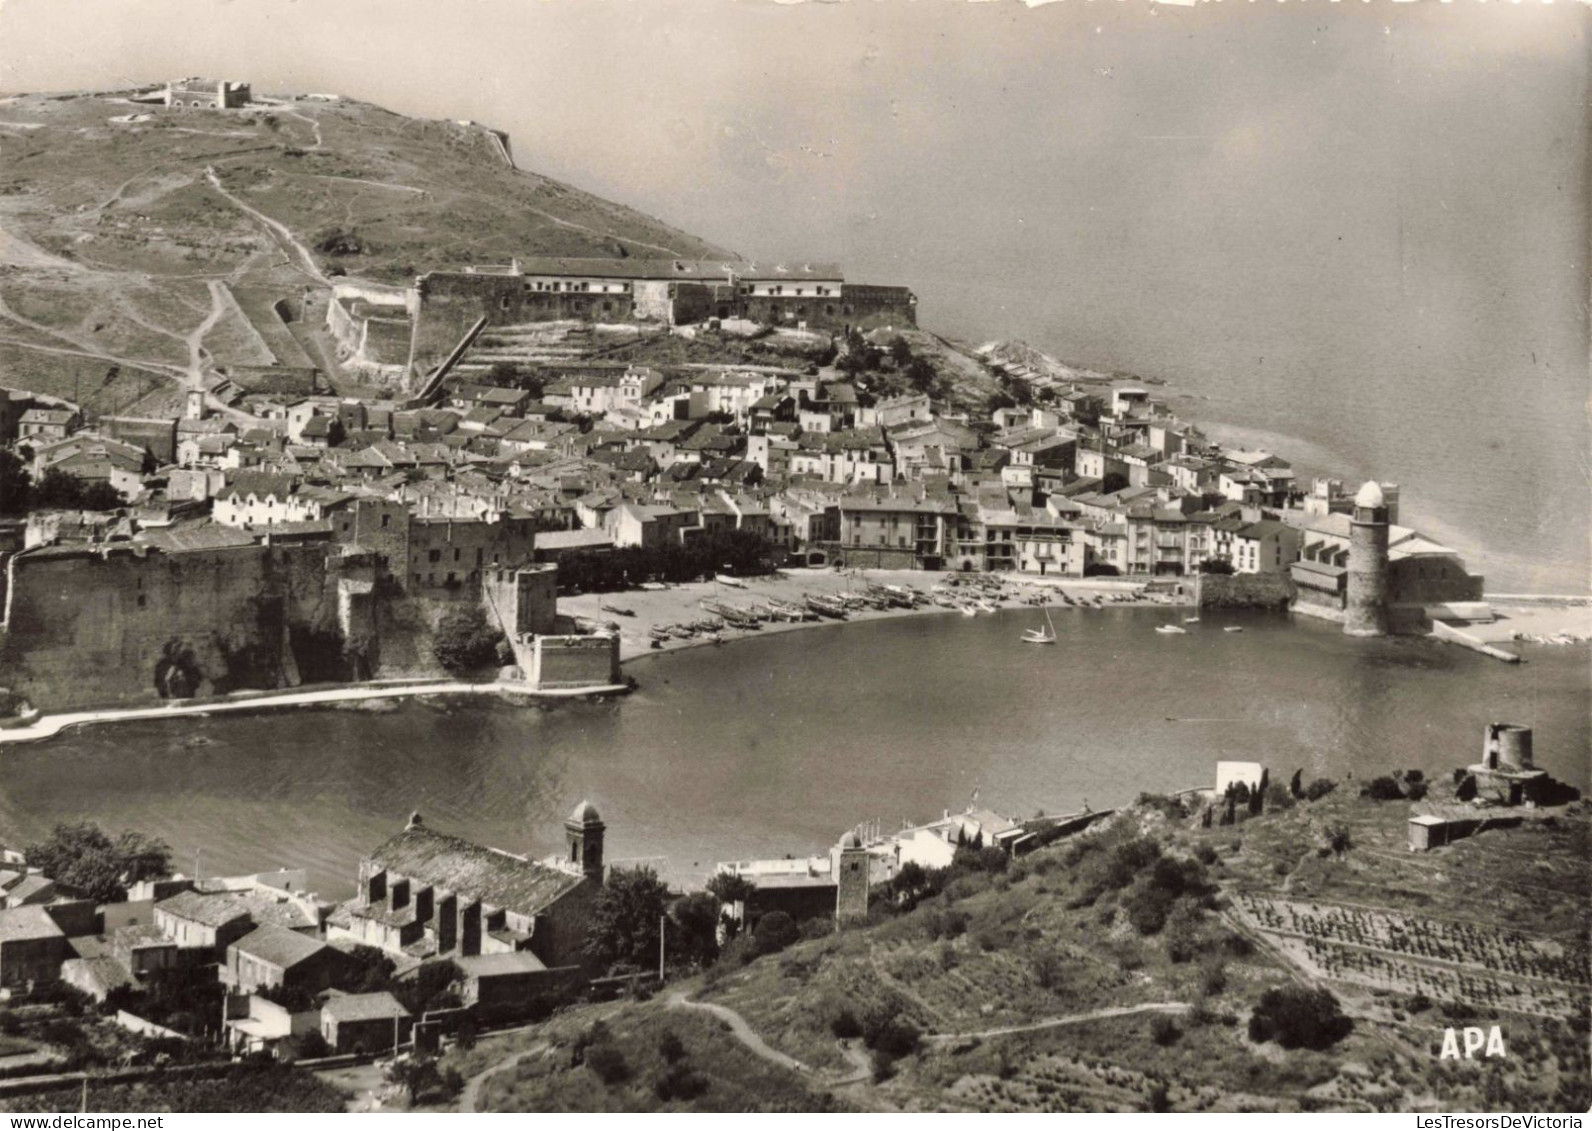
1365,610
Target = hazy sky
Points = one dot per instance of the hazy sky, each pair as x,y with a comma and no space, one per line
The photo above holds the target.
1306,210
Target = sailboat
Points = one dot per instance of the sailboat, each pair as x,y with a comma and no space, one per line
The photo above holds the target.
1046,635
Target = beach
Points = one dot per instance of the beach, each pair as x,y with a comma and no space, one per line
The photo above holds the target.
651,608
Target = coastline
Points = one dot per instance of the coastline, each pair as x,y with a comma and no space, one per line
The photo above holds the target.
677,603
1522,619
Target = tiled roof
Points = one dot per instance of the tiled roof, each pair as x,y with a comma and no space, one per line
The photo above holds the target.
363,1007
215,909
451,862
21,923
279,946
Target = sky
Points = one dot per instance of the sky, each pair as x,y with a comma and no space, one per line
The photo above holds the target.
1337,221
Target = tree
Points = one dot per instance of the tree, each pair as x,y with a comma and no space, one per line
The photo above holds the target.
625,917
372,972
1217,567
417,1075
15,484
900,352
921,375
58,490
730,887
1294,784
1319,788
1382,789
84,857
101,496
1296,1017
431,987
694,929
774,932
464,641
1257,799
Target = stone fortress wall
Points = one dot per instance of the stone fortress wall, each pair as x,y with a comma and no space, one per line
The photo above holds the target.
127,625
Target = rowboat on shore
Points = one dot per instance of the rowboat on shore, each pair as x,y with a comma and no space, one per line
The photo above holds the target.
1171,630
830,607
732,582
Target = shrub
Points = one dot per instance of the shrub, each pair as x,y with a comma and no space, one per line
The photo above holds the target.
1382,788
1319,788
1206,855
464,641
608,1063
1296,1017
1213,978
679,1081
883,1029
312,1046
1047,966
671,1047
844,1024
774,932
1164,1030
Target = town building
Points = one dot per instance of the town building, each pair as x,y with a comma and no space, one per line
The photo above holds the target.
428,894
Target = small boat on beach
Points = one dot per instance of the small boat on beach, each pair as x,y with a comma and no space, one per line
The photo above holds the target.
1234,628
732,582
1171,630
831,607
988,606
968,611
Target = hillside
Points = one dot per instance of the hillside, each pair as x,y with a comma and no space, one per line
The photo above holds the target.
139,247
1122,970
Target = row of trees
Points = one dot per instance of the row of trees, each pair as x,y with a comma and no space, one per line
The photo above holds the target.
55,490
86,859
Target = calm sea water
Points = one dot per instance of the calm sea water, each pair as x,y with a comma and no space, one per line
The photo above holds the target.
777,745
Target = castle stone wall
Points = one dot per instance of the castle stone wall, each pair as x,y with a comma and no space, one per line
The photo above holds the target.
130,626
574,661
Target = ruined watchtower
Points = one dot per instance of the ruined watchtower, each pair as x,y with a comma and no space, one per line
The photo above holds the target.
851,880
583,830
1365,606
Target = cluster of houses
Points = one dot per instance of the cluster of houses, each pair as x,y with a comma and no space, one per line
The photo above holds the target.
290,963
608,455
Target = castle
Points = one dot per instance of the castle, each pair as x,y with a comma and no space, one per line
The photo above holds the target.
411,332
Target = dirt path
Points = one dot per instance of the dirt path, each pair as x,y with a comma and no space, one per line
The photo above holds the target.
470,1097
1069,1019
133,363
279,231
742,1030
313,124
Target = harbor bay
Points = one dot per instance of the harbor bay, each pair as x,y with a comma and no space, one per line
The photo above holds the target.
777,745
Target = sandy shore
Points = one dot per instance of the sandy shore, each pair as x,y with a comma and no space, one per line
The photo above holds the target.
682,603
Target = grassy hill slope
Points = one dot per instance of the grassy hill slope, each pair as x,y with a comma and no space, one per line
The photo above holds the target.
142,239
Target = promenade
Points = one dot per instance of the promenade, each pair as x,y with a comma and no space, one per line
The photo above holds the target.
47,726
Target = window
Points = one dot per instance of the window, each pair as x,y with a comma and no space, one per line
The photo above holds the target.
386,520
434,556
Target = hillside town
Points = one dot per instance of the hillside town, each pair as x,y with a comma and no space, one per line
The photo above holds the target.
522,448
